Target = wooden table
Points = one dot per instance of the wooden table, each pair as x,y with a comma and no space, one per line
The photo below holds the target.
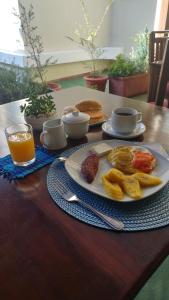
46,254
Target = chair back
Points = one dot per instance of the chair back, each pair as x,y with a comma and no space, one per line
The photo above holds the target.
163,77
157,41
157,51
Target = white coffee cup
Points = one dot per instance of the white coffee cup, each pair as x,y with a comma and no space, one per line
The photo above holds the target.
53,135
125,119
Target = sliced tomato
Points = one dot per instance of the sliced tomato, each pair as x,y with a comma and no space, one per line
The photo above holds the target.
143,161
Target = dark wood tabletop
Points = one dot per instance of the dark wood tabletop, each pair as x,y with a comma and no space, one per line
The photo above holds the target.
45,254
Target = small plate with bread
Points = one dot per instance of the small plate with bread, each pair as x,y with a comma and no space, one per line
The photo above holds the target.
94,109
119,170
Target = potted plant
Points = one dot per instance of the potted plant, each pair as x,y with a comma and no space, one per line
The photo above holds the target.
85,37
128,76
37,109
54,86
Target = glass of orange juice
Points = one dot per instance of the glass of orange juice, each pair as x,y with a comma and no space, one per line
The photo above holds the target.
21,144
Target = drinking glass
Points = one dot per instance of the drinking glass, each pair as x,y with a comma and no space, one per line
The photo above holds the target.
21,144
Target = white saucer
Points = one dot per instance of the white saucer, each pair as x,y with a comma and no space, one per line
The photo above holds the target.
107,128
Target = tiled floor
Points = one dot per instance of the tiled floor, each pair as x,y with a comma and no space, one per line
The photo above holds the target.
157,287
71,82
80,82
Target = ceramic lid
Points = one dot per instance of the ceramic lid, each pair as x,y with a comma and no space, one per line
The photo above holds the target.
75,117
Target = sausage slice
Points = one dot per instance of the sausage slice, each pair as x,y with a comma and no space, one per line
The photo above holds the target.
89,167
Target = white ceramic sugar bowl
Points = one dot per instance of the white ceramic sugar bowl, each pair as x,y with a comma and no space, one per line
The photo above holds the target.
76,124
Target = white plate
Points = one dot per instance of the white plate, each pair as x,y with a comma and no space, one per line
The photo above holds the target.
73,165
107,127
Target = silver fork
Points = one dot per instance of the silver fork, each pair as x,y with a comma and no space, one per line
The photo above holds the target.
67,194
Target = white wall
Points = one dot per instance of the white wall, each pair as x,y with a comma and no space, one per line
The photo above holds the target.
130,17
57,19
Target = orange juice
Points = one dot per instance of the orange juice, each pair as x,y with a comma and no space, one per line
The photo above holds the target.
21,146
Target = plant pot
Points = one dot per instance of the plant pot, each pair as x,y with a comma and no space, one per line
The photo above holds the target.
97,83
37,122
129,86
54,86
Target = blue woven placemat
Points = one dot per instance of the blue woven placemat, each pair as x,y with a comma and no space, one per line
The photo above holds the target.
149,213
12,172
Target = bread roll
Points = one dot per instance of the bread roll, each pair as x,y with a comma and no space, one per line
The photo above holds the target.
88,105
97,114
93,108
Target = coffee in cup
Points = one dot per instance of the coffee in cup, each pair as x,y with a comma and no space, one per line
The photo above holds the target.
53,136
125,119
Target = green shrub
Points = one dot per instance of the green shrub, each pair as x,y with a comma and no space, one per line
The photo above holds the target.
140,51
36,105
16,82
137,62
122,67
9,89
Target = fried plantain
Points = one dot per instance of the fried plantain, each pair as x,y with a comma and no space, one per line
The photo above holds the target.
115,175
112,189
147,180
131,187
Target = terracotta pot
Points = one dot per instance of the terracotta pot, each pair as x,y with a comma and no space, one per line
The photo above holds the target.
37,122
54,86
97,83
129,86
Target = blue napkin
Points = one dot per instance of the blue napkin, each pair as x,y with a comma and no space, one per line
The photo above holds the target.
10,171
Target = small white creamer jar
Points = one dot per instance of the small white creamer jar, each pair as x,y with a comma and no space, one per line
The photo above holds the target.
53,136
76,124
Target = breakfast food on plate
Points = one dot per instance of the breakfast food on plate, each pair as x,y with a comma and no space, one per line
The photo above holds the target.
115,175
89,167
112,189
132,159
93,108
116,180
143,161
131,187
101,149
129,175
121,158
147,180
